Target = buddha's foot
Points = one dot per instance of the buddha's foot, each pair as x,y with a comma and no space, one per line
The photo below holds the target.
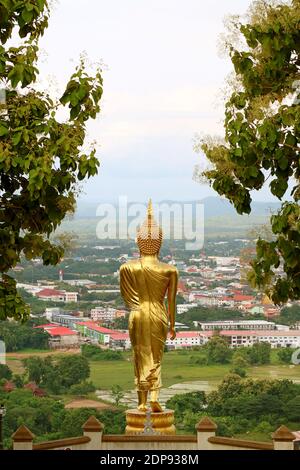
143,408
155,407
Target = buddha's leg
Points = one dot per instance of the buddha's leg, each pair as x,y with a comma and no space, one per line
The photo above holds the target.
156,377
154,403
158,338
142,400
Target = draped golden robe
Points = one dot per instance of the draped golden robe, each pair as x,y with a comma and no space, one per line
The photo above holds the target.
143,288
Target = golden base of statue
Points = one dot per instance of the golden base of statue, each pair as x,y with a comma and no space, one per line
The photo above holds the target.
149,423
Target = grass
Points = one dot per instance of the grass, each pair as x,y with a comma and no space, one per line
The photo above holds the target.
177,368
255,436
32,351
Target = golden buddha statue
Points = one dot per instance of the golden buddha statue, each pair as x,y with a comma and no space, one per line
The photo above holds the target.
144,283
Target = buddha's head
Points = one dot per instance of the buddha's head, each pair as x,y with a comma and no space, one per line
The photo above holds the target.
149,235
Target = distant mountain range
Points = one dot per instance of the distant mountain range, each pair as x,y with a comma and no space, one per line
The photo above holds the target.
213,207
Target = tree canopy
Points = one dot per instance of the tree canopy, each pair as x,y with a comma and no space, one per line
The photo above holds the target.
218,350
58,376
48,418
262,137
41,157
18,336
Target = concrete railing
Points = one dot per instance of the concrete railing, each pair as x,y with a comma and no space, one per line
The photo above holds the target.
206,439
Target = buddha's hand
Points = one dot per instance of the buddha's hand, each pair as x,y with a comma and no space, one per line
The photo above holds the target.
172,333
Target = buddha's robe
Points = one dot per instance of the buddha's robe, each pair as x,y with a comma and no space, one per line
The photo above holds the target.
143,288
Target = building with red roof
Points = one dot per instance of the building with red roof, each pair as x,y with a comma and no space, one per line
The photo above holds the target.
182,288
243,298
57,295
105,336
51,294
60,336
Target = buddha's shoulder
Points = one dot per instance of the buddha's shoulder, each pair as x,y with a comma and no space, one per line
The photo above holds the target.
131,264
168,267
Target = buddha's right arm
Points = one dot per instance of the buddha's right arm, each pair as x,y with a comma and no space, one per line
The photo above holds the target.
172,291
126,286
124,283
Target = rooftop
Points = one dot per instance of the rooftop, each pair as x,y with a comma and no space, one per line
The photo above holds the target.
93,326
252,333
49,293
60,331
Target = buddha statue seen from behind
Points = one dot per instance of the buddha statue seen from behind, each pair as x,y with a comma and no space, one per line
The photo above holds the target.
144,283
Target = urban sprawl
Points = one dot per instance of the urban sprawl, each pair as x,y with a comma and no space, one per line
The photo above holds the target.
206,281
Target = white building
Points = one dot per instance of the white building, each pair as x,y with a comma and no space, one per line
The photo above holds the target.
79,282
120,340
183,308
186,339
105,314
49,312
71,296
236,325
225,260
220,290
202,299
64,319
237,339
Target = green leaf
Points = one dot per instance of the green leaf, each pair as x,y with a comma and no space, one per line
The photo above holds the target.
3,129
253,171
16,75
283,162
238,152
16,138
27,15
29,6
291,140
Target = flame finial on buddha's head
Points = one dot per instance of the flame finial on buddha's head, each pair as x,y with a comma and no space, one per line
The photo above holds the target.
149,235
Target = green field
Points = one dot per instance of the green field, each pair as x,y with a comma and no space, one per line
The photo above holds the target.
177,368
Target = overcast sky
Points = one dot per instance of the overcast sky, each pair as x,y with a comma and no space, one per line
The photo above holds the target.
162,80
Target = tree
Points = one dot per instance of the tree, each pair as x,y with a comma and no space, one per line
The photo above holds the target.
200,313
285,355
41,157
18,336
239,364
121,323
82,389
5,372
192,402
58,376
18,380
293,409
37,368
262,137
73,369
259,353
290,315
249,398
218,350
117,393
95,353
